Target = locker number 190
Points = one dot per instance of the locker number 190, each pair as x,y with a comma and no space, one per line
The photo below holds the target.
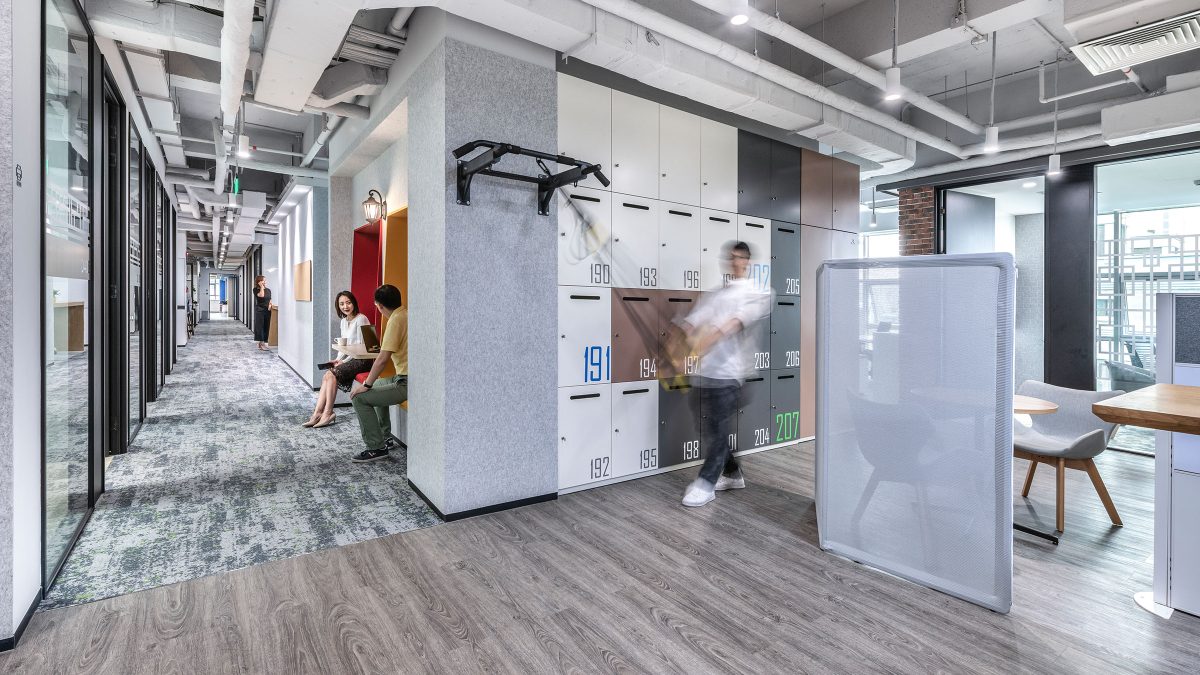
601,274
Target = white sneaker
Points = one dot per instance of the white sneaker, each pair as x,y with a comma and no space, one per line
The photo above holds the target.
698,494
730,483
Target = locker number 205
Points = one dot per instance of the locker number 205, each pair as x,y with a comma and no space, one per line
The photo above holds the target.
793,286
596,363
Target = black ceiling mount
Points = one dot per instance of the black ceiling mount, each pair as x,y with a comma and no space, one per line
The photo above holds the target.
547,183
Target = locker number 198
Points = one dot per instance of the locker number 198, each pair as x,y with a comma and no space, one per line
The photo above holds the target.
691,450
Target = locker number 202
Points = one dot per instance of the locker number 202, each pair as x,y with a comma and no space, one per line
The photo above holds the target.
596,363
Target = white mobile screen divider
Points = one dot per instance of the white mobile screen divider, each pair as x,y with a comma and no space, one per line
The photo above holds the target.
914,419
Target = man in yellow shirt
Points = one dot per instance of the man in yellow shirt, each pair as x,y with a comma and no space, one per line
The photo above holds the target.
374,396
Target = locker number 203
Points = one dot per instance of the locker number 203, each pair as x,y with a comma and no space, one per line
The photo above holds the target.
596,363
691,450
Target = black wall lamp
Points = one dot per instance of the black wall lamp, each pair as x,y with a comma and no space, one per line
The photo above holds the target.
374,209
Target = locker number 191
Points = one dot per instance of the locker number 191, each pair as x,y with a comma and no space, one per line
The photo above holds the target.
596,364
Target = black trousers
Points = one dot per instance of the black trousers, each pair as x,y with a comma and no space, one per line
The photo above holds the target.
718,421
262,324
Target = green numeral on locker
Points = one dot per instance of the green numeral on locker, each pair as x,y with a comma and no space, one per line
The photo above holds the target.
787,426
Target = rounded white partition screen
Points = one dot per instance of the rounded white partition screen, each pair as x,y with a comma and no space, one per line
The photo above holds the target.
914,419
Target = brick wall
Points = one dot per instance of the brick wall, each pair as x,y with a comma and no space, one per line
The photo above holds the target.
916,221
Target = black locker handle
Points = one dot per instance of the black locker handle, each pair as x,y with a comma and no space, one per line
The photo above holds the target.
679,299
754,379
635,391
582,198
579,396
789,304
758,225
719,220
643,207
635,299
784,229
673,387
585,297
680,213
781,377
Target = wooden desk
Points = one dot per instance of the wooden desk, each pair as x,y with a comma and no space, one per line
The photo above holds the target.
1167,407
1028,405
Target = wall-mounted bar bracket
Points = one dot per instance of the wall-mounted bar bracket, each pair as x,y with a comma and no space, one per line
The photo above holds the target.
482,163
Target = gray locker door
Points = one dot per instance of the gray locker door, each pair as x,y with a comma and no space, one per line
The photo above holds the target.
584,428
756,232
634,428
785,405
716,229
584,237
755,425
678,424
785,333
635,242
679,250
785,258
760,339
584,334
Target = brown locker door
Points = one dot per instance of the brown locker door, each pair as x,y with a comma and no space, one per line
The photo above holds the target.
816,245
845,196
816,189
635,334
675,305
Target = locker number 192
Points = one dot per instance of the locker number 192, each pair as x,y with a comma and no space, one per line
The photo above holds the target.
600,468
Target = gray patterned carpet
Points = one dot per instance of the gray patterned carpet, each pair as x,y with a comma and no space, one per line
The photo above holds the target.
222,476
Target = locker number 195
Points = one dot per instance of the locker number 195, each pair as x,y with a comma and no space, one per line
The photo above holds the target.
648,459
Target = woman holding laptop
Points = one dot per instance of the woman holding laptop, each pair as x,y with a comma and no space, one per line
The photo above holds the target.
339,373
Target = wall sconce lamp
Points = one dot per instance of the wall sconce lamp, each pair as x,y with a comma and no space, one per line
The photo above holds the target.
374,209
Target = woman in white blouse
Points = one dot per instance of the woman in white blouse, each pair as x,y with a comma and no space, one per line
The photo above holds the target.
345,367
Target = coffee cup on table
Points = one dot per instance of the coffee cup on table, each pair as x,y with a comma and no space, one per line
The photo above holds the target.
341,341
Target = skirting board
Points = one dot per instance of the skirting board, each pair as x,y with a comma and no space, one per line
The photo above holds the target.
677,467
471,513
10,643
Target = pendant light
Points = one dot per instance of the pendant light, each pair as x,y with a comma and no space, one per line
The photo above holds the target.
991,133
1055,165
741,12
893,91
874,222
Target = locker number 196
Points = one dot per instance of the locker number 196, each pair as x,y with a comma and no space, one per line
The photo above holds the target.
691,278
691,450
596,363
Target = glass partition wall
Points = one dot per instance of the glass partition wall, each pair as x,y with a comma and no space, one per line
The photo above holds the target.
134,286
67,311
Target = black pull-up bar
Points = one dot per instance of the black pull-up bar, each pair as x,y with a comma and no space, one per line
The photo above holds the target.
547,184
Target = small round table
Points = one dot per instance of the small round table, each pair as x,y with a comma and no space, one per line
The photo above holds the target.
1028,405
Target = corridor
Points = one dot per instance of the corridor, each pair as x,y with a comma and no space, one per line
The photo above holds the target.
222,476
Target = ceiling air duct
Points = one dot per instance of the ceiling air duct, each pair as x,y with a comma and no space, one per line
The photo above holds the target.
1141,44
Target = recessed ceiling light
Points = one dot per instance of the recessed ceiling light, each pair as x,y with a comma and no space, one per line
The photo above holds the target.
1029,184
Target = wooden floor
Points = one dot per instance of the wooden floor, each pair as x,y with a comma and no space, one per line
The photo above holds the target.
623,579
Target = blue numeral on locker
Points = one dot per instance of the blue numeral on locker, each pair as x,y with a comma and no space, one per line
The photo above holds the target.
597,363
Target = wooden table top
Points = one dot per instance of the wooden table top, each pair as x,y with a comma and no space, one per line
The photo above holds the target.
358,351
1167,407
1028,405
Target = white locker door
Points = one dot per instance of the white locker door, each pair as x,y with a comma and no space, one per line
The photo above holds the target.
845,245
634,146
634,428
585,124
716,229
635,242
718,166
584,237
584,428
679,251
584,335
757,233
678,156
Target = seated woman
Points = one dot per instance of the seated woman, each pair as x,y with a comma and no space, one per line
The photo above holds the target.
345,367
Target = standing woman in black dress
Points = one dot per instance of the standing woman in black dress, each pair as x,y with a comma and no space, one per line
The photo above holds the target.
262,311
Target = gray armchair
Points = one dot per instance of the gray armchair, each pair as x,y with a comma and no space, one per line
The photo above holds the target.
1068,439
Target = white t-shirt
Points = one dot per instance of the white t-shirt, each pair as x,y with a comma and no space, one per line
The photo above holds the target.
732,357
350,331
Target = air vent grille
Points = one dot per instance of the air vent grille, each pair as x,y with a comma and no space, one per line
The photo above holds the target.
1141,44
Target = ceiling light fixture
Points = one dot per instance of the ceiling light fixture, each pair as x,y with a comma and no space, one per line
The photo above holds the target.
243,150
1055,165
991,133
740,12
874,222
893,90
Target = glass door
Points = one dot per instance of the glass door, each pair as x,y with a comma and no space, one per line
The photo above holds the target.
133,323
67,309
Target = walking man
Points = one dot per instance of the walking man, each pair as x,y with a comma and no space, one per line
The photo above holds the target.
718,331
373,397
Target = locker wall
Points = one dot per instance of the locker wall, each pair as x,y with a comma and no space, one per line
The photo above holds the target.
636,256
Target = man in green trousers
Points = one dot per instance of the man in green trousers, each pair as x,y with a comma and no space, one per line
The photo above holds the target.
373,397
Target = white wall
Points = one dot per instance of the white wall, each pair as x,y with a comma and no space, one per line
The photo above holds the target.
1006,232
388,173
295,318
181,292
